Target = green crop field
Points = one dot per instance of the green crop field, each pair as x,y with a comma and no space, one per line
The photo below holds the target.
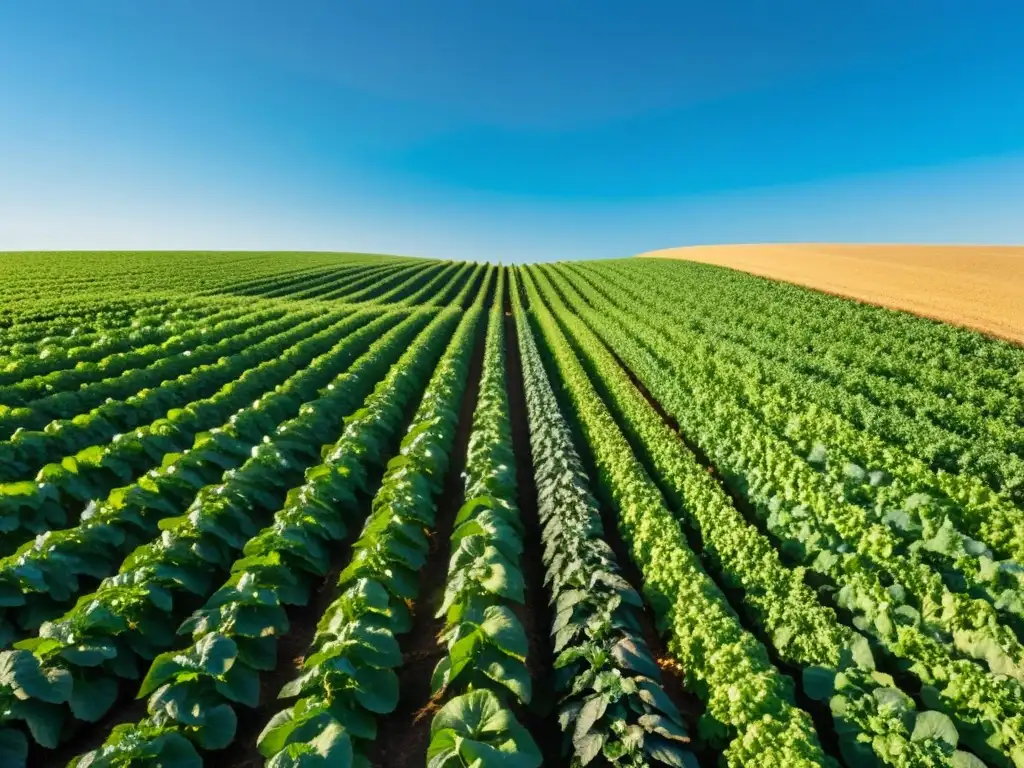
339,509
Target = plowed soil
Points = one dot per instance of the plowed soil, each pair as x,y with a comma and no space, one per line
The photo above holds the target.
979,287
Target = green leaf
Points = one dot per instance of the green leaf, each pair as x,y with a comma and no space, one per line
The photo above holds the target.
505,631
378,646
963,759
441,675
819,683
473,714
216,653
857,753
471,507
91,699
163,668
443,750
507,671
176,751
44,720
13,748
860,652
935,725
502,578
592,710
89,654
892,701
21,670
670,753
654,695
240,684
335,746
219,729
504,755
476,729
378,690
589,746
274,736
664,727
634,656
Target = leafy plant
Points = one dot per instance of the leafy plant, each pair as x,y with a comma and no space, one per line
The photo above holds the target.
902,604
347,679
476,729
613,705
750,709
131,618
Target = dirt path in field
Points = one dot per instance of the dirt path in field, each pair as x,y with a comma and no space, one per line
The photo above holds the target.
979,287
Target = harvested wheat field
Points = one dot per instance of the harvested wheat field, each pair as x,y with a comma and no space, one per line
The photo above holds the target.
980,287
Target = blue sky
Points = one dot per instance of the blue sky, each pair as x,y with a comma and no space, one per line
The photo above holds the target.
514,130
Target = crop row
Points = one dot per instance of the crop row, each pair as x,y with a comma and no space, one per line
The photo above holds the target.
612,700
347,677
27,451
30,276
835,663
45,573
879,468
750,708
957,426
898,601
54,348
205,346
130,618
192,692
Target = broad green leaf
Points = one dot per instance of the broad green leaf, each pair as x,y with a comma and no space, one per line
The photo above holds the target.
963,759
216,653
219,729
593,708
505,631
669,753
635,656
505,754
664,727
240,684
819,683
176,751
507,671
13,747
91,699
89,654
21,670
44,720
163,668
275,735
335,746
378,690
935,725
588,747
473,714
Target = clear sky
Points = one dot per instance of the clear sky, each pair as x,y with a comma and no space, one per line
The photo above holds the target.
513,130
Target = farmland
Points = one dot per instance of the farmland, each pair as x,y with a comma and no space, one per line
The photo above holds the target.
341,509
974,286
